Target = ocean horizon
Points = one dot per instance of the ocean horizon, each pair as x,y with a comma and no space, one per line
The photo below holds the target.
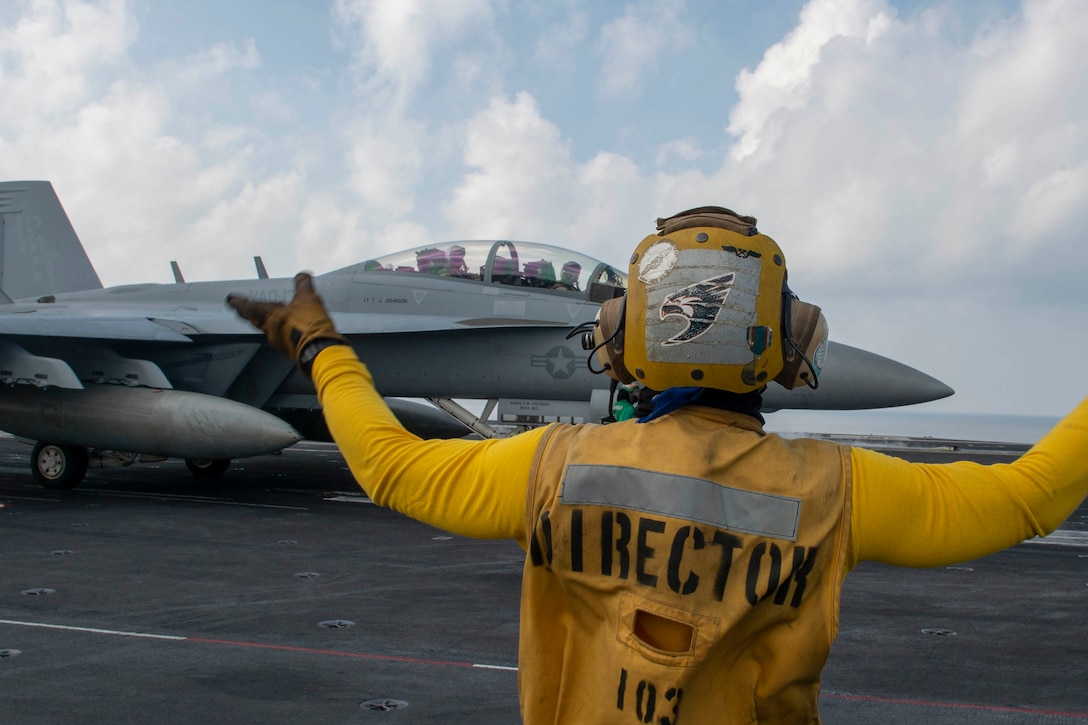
908,423
903,422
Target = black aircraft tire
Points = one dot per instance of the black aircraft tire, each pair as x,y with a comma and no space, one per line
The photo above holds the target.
207,467
58,466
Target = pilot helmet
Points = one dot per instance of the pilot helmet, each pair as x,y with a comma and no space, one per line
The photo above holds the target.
707,305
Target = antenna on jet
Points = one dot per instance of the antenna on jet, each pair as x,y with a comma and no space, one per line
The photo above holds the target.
262,273
177,272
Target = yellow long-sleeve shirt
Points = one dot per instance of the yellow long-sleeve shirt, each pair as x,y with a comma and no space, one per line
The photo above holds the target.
740,657
907,514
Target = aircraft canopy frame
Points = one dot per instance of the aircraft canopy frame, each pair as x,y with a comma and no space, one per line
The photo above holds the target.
505,262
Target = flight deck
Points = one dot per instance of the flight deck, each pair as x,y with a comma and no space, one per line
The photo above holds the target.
278,594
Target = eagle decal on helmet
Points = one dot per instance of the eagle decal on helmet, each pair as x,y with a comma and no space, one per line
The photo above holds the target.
698,304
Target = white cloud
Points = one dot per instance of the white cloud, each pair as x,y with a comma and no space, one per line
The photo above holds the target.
394,41
1026,71
685,149
522,172
218,60
631,44
385,163
525,184
258,220
1022,122
328,237
1051,204
274,106
394,45
782,81
616,209
558,44
402,235
136,190
46,54
857,154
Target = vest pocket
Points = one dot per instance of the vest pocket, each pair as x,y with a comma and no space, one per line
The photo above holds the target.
665,635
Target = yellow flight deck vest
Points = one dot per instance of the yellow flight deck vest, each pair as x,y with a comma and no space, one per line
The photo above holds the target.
685,570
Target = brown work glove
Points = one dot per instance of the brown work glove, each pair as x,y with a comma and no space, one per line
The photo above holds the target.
301,328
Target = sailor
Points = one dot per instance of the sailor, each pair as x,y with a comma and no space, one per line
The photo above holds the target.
458,266
568,275
684,567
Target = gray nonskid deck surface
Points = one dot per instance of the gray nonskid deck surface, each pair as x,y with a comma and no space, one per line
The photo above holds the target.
277,594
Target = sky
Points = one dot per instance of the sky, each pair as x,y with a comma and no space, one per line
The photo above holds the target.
924,165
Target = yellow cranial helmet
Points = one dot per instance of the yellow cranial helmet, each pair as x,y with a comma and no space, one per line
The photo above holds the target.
705,305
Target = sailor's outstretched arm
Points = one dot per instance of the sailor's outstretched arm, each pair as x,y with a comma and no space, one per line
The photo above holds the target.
916,514
471,488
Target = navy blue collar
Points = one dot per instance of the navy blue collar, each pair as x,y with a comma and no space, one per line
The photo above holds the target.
673,398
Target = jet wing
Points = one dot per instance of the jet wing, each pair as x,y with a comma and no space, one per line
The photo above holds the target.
183,326
89,327
363,323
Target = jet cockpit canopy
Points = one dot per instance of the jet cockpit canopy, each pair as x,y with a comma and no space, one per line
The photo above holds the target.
521,264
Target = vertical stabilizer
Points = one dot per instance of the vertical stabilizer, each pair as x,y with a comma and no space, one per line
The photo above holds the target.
40,253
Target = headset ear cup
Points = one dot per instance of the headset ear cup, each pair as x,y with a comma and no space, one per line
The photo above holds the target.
609,339
804,358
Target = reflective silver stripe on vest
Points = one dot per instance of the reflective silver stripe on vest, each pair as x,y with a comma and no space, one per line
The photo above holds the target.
683,497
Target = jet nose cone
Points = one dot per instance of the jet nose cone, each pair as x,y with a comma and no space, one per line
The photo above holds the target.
854,379
931,388
886,383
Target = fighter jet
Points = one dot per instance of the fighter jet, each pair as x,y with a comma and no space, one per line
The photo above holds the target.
102,377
